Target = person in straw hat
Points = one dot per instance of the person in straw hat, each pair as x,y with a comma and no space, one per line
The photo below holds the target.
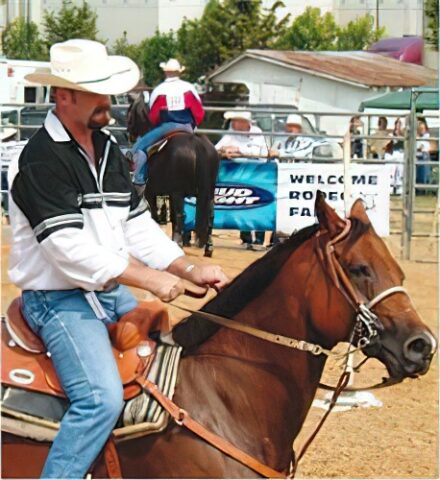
80,236
174,105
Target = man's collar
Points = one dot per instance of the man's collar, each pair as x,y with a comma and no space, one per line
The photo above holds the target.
58,133
172,79
55,128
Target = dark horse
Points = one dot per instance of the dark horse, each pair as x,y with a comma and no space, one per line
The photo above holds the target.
186,166
254,393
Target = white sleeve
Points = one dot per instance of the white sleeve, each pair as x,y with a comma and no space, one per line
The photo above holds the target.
226,140
148,243
78,258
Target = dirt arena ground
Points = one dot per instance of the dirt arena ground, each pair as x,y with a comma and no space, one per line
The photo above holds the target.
399,439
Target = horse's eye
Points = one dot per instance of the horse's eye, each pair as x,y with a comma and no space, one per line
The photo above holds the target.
359,270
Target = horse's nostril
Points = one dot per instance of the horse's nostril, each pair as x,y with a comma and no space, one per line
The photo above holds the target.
419,347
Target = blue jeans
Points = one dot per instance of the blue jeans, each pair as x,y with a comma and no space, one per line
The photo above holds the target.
81,353
145,142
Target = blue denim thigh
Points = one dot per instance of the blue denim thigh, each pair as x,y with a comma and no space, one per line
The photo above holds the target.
117,302
81,352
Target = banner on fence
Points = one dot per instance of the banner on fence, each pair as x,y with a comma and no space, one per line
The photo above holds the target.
245,197
271,196
298,183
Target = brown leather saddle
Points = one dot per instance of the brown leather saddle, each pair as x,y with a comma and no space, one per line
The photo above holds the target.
26,365
158,146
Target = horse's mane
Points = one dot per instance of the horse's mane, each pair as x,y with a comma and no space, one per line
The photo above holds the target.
247,286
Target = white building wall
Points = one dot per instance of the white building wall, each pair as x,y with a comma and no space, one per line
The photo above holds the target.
399,17
139,18
300,89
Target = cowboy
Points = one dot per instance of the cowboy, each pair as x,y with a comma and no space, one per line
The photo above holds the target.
242,141
80,237
174,105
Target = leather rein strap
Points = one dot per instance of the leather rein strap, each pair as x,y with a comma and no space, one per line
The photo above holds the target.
182,418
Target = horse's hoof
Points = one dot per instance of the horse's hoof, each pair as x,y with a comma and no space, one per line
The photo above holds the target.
208,253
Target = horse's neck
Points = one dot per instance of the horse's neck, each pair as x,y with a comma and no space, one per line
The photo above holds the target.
269,382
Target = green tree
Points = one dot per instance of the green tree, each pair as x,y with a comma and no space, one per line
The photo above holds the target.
432,13
311,31
226,29
21,40
359,34
154,50
131,50
69,22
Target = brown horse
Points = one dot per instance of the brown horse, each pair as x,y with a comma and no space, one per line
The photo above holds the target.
186,166
319,286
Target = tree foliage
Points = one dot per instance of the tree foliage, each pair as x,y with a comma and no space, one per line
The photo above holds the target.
226,29
131,50
432,13
359,34
154,50
21,40
70,21
313,31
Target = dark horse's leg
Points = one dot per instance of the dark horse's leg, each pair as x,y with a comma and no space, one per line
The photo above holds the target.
177,217
152,202
204,222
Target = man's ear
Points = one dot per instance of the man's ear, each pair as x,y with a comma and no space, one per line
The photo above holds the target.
327,217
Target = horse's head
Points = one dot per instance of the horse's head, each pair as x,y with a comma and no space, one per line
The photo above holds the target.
387,325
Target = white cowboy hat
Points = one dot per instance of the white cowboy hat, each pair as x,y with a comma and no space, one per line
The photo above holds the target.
294,119
237,115
85,65
6,133
172,65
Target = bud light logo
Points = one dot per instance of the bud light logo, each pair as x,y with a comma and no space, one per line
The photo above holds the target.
233,196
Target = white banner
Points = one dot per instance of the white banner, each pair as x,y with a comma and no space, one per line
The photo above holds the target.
298,183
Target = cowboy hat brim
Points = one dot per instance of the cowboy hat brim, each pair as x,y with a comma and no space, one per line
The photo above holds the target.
123,76
164,67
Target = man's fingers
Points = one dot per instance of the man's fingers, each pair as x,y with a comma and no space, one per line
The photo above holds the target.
193,290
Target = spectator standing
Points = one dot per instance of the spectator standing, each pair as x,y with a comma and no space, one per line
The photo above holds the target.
379,146
423,172
356,127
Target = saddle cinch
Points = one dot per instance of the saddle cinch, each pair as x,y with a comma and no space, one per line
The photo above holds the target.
27,365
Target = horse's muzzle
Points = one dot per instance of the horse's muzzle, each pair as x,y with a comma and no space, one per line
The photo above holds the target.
419,349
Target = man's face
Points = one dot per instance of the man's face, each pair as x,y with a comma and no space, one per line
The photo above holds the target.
240,125
90,109
293,128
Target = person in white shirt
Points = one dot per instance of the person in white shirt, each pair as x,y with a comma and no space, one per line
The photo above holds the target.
243,144
294,142
80,235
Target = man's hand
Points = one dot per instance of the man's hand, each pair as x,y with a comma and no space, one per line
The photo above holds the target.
209,275
168,287
200,274
229,152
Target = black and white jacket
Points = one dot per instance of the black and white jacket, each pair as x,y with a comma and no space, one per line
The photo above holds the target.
74,226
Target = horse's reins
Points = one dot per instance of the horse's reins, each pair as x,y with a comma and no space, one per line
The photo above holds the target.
367,327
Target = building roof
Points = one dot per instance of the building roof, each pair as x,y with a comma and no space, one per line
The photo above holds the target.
361,68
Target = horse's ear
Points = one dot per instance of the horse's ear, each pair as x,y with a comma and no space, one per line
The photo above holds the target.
327,217
358,211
